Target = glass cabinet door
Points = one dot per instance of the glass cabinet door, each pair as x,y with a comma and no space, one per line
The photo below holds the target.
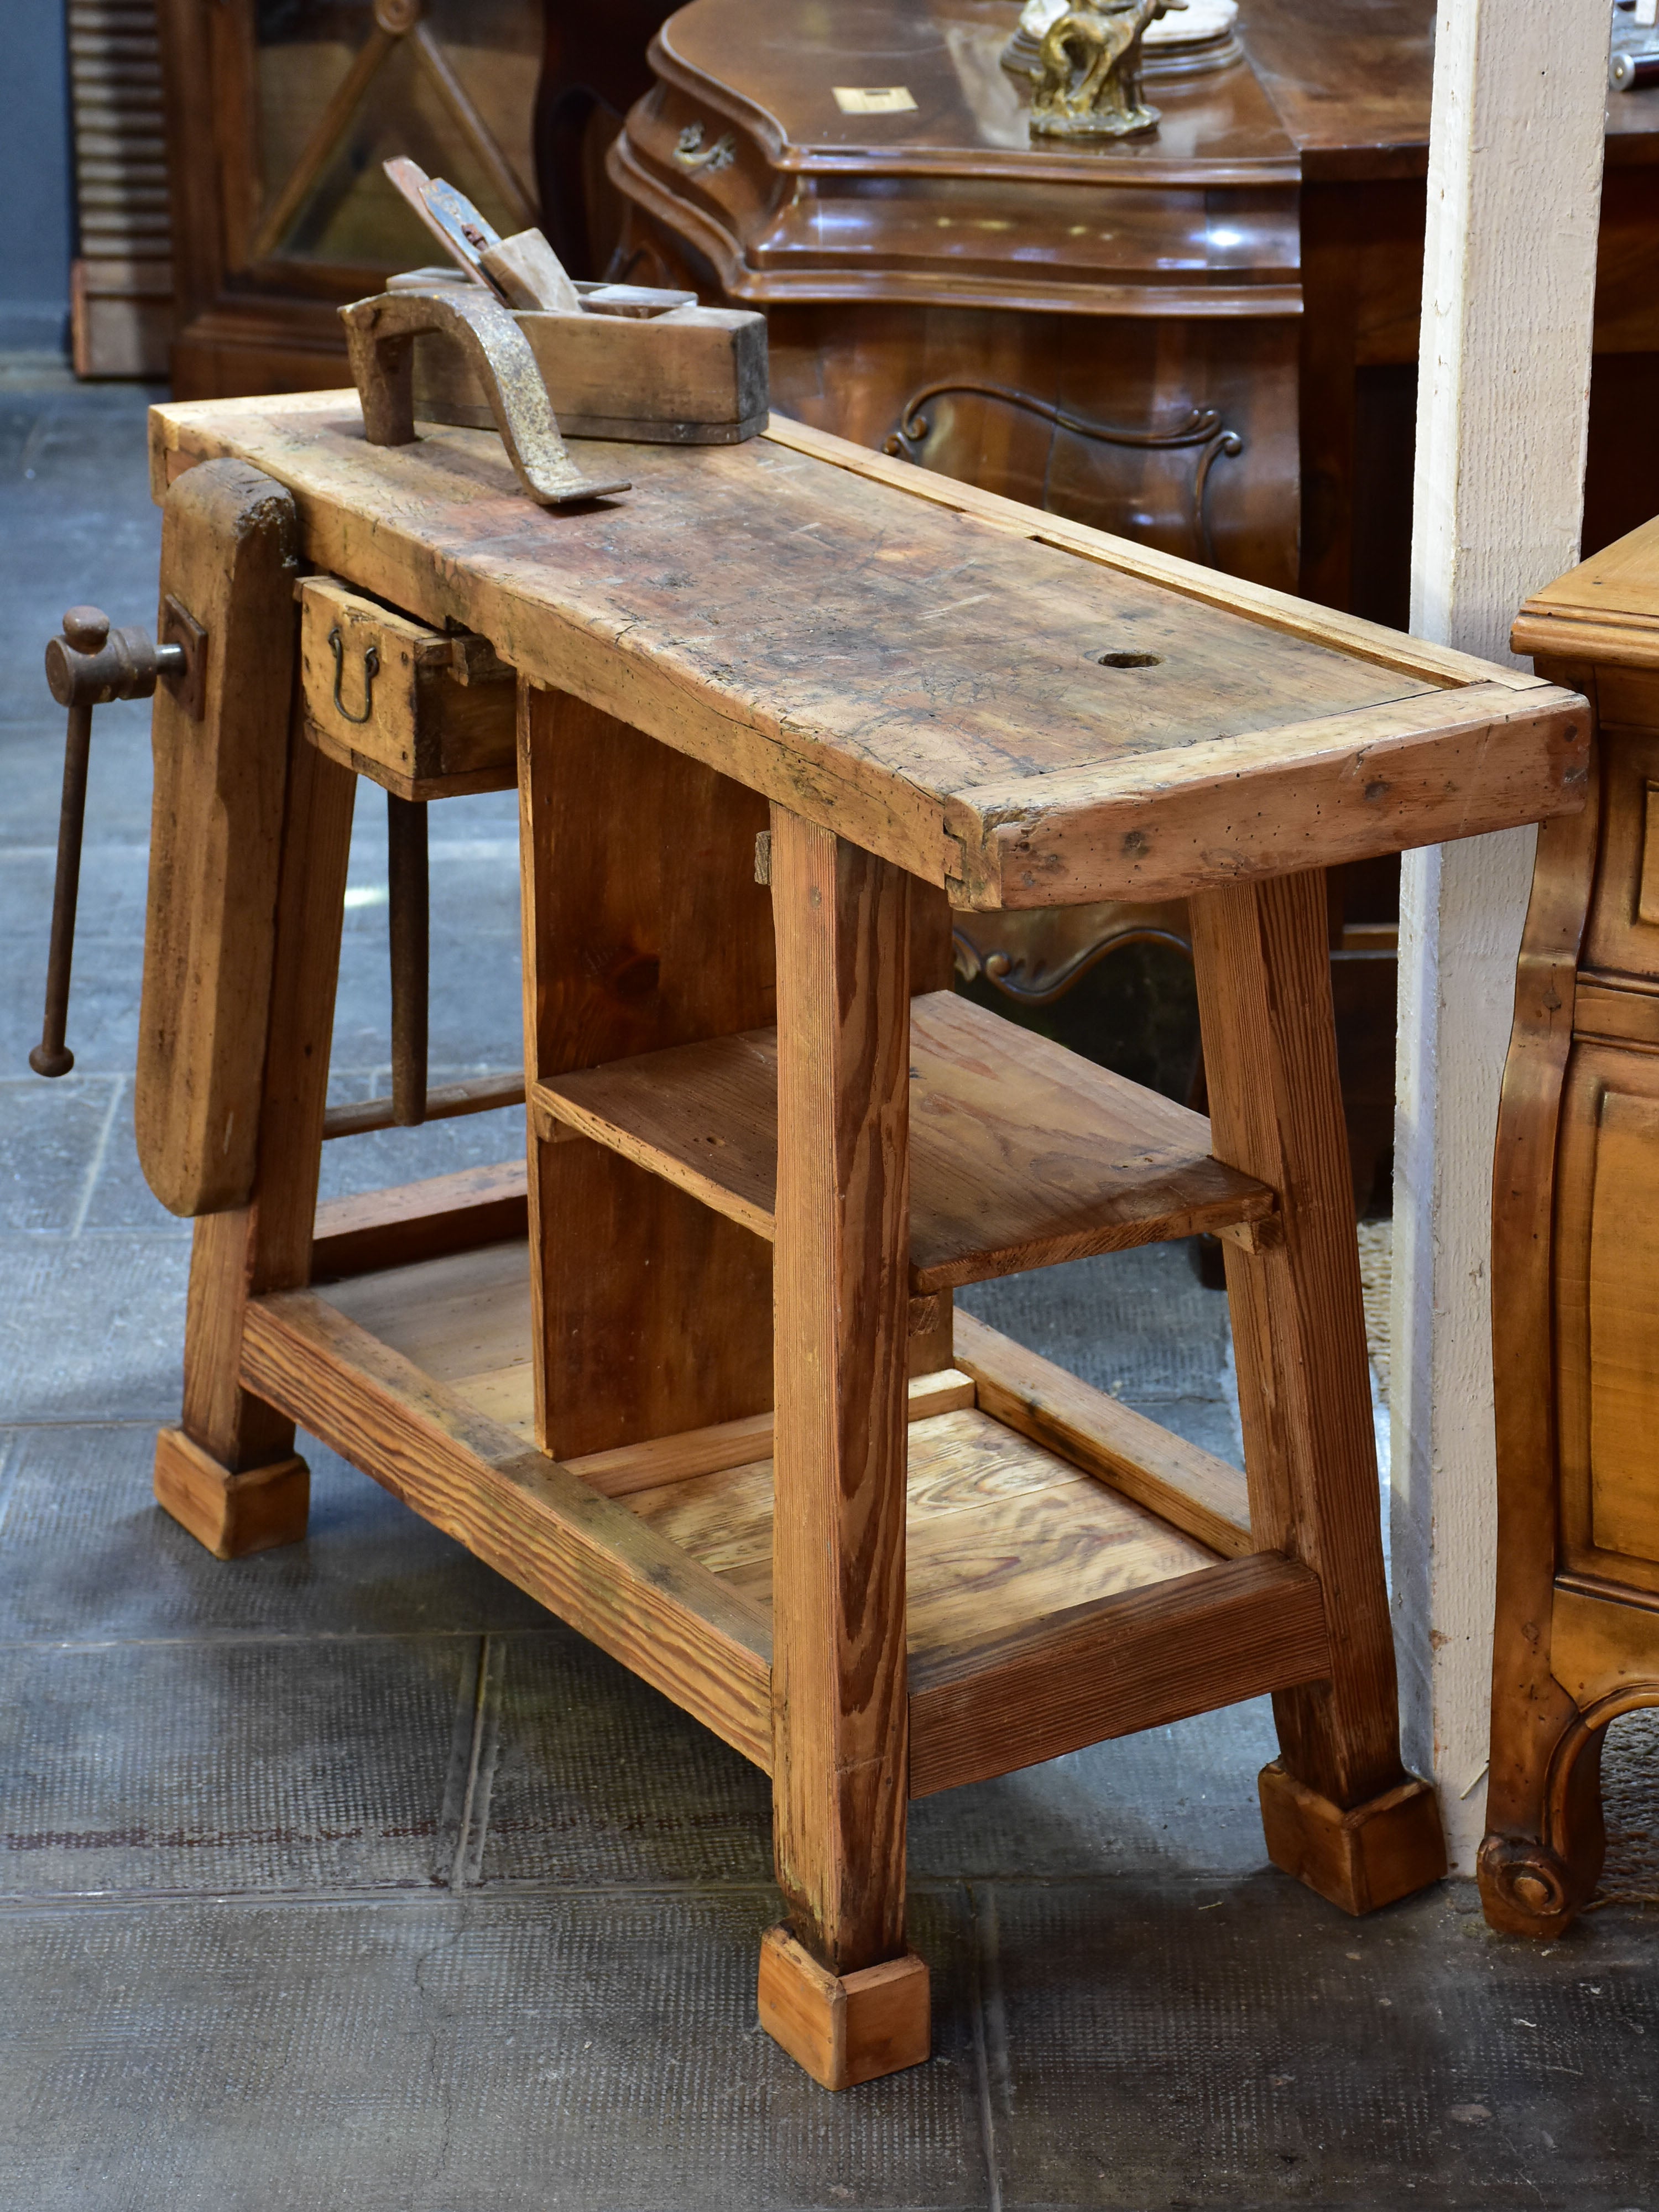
328,89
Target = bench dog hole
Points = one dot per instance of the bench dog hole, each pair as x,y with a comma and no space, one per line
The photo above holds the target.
1127,659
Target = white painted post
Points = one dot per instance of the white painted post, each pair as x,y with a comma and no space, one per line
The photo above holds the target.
1514,188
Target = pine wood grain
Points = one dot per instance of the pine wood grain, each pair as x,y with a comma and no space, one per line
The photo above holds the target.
464,1318
1261,958
589,1561
425,1220
1361,1858
1190,1488
665,1460
644,928
1138,1659
854,652
230,542
1022,1153
843,2028
1280,610
999,1531
412,727
842,922
266,1244
1345,787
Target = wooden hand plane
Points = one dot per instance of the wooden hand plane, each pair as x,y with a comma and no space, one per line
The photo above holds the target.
613,361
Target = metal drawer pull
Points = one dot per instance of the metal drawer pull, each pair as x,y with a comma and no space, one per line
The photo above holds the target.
371,670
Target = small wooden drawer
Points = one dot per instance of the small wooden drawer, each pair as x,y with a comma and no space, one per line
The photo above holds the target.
426,714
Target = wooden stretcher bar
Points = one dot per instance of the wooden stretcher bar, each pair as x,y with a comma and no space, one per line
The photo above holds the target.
1010,1520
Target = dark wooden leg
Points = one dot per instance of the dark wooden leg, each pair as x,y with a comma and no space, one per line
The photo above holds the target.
837,1987
644,927
1340,1810
229,1474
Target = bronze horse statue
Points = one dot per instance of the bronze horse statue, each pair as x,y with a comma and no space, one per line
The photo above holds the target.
1089,64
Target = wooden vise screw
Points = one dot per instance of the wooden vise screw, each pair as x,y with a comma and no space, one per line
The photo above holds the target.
88,664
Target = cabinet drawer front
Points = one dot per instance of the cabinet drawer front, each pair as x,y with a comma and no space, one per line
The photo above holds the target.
425,714
1607,1288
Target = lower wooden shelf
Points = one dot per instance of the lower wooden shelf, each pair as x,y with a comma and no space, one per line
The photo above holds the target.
1048,1604
1021,1154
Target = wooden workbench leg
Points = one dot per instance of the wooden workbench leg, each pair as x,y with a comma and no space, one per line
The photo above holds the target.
838,1988
1340,1810
228,1474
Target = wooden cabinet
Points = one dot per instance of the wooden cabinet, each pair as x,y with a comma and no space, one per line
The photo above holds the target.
279,115
1204,338
1576,1268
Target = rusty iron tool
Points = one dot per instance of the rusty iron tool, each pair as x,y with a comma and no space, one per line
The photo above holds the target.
89,665
379,335
523,270
407,889
464,243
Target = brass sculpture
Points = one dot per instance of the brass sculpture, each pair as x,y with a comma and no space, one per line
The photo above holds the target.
1087,75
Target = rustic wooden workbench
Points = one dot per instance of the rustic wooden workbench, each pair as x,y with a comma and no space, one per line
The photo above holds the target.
776,708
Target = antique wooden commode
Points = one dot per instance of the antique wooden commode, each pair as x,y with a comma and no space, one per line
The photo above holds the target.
1575,1275
776,708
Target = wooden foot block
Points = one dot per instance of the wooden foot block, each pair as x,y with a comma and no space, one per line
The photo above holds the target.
231,1513
848,2028
1359,1859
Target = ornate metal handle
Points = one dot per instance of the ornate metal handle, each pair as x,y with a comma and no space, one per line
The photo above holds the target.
1203,432
696,160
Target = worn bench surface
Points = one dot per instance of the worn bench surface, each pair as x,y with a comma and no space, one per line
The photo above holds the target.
919,664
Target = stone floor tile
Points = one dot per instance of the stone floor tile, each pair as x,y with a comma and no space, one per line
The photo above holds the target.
103,1030
119,1198
1178,1801
91,1556
53,1139
1136,1323
387,1156
551,2054
92,1328
1151,2046
224,1767
592,1777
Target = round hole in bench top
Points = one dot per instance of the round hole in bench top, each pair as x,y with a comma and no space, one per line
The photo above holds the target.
1127,659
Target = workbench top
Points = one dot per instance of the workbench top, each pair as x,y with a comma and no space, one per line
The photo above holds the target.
1025,710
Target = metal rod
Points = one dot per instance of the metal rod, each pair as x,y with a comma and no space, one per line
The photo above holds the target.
407,899
480,1094
52,1056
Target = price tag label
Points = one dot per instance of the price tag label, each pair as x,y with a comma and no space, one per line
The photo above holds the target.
874,99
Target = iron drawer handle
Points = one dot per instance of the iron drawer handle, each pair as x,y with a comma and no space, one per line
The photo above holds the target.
371,670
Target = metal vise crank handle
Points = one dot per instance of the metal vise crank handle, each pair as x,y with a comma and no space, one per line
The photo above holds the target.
89,664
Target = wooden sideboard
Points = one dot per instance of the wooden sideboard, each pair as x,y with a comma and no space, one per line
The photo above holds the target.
1576,1268
1224,311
